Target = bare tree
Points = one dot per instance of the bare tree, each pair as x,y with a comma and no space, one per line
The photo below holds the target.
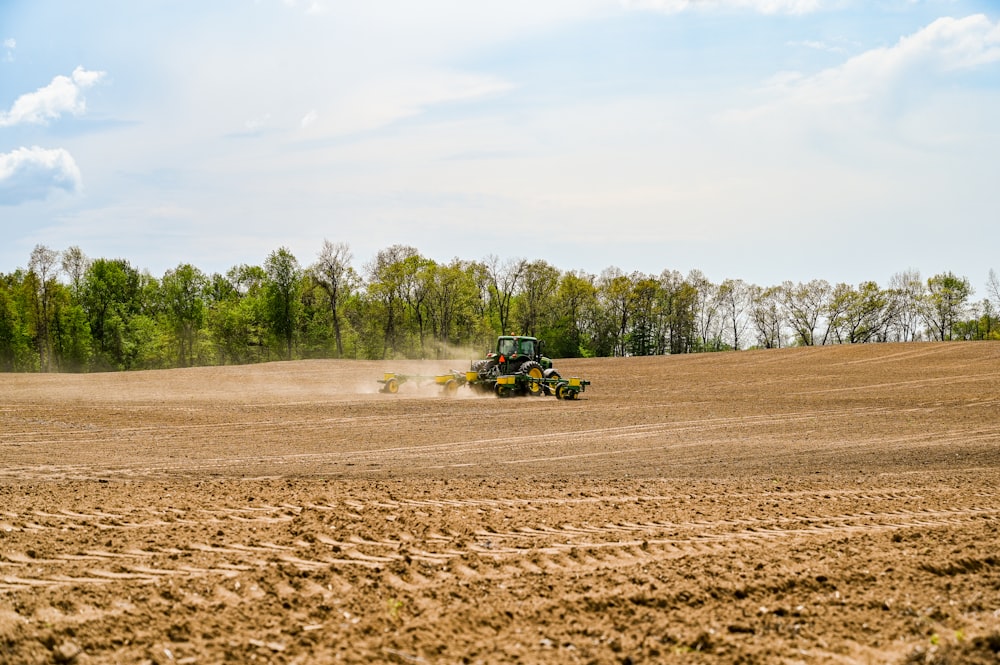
334,274
766,314
505,278
42,267
908,293
75,264
707,311
993,288
804,305
733,296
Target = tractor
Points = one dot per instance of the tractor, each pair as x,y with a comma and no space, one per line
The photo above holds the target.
516,356
515,367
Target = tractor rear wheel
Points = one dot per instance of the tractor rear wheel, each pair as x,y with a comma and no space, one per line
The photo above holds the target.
535,372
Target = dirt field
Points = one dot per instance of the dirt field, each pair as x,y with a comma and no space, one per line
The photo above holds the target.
832,505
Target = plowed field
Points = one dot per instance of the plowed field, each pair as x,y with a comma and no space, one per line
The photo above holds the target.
828,505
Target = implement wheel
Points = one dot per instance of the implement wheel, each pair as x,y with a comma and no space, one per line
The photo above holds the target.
549,388
391,386
451,388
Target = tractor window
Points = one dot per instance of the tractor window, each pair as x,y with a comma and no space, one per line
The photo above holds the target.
506,347
527,347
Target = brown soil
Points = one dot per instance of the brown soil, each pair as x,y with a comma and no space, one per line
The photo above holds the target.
830,505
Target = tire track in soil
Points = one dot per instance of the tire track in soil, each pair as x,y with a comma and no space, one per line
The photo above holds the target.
509,449
413,562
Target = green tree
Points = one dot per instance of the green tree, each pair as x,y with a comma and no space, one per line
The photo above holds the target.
71,342
860,315
389,277
533,305
282,296
575,305
111,296
616,305
183,293
681,298
417,277
17,354
235,318
452,306
947,298
641,329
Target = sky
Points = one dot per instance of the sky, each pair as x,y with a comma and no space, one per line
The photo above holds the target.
763,140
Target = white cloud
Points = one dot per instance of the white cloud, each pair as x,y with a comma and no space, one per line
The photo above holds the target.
28,174
258,123
819,46
62,95
760,6
310,8
379,104
309,118
879,75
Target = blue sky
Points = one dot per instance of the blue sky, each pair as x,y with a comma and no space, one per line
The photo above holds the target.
766,140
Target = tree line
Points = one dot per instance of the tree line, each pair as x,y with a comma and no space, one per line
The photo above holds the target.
67,312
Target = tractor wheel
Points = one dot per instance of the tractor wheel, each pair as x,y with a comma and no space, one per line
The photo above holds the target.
554,375
479,365
561,391
534,371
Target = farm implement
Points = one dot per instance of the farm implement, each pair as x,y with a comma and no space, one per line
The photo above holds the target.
516,367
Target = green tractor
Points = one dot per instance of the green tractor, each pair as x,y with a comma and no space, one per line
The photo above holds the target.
520,357
516,367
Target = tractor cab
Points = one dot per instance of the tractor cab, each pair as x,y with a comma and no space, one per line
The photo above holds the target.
516,346
513,347
515,350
